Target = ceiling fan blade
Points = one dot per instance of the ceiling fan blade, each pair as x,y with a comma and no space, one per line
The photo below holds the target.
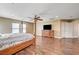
40,19
36,18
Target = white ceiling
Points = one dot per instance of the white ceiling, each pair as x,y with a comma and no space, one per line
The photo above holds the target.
21,11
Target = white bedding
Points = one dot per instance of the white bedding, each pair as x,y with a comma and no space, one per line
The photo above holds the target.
14,39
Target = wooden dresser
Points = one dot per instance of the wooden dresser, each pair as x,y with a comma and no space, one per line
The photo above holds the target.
48,33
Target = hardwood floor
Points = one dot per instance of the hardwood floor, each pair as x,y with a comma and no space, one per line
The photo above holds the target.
51,46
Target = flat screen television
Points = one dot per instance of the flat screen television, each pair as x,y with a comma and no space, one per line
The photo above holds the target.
47,27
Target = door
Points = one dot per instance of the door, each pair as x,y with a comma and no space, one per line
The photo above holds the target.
66,29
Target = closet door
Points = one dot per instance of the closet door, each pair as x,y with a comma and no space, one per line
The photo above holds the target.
77,30
66,30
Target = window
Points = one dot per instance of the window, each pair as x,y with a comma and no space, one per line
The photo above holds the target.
24,28
15,27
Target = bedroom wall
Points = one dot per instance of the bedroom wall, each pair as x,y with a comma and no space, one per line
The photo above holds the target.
6,23
55,26
30,28
39,26
61,29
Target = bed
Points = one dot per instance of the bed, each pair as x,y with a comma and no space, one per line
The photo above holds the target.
12,43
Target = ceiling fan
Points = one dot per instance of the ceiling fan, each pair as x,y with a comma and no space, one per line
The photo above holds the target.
36,17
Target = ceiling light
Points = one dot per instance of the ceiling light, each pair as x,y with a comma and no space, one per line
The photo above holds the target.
56,16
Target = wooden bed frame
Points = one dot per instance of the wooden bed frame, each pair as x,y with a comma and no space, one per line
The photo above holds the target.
13,49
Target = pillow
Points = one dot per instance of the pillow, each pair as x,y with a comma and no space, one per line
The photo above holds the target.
4,35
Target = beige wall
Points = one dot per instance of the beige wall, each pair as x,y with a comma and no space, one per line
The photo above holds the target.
6,25
39,26
61,29
30,28
55,26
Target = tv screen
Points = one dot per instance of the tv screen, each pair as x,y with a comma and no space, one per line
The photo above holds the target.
47,27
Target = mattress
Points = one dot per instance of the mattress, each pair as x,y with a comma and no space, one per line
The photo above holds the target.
14,39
